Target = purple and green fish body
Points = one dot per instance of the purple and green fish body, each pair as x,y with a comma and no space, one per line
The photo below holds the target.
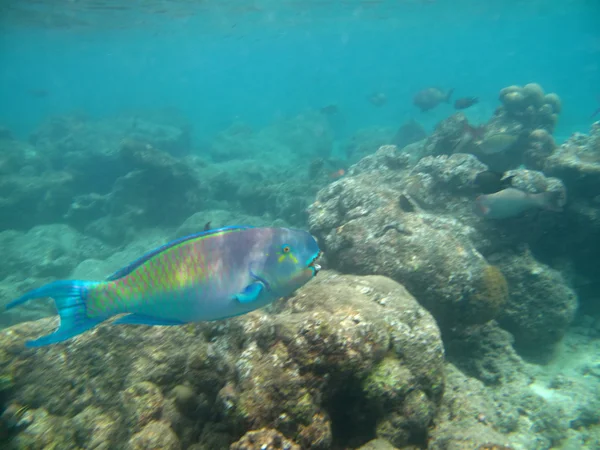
207,276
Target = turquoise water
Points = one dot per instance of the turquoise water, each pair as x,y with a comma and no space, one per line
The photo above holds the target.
220,62
128,125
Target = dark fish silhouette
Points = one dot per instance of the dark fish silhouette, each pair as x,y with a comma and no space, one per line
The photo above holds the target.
377,98
489,182
329,110
595,113
465,102
207,226
38,93
431,97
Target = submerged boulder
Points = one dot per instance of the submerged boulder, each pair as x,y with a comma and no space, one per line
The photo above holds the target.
368,225
541,307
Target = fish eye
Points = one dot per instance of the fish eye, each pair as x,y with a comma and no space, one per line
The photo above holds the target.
285,249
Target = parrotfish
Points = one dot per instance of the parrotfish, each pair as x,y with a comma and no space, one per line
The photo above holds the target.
431,97
206,276
489,181
495,143
511,202
465,102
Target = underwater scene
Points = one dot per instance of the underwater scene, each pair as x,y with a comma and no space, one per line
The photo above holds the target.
300,224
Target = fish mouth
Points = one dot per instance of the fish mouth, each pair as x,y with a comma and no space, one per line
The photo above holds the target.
314,266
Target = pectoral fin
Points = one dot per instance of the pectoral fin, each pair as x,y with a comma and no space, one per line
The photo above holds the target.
251,292
139,319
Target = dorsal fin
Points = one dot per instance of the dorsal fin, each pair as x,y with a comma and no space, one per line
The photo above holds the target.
142,259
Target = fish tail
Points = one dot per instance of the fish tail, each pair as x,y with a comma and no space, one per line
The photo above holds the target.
449,95
70,299
551,200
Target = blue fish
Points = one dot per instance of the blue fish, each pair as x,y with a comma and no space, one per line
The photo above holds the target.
206,276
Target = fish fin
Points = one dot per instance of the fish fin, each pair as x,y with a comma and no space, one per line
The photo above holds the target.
140,319
553,201
507,181
251,292
480,208
141,260
70,299
449,95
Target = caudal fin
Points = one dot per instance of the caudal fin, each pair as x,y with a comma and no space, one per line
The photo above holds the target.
69,297
449,95
552,200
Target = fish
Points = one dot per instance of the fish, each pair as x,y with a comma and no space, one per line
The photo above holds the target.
468,135
465,102
39,93
496,143
595,113
489,181
337,174
511,202
431,97
211,275
329,110
377,99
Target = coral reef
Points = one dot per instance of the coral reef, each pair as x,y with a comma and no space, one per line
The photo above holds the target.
30,193
530,106
535,287
112,177
416,225
489,297
264,439
350,361
468,418
364,230
519,132
304,136
322,371
577,163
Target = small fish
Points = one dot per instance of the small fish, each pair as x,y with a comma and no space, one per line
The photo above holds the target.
496,143
490,446
15,417
329,110
206,276
465,102
207,226
39,93
431,97
511,202
377,99
488,182
595,113
337,174
406,203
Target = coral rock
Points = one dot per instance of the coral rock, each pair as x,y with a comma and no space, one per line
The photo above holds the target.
155,435
264,439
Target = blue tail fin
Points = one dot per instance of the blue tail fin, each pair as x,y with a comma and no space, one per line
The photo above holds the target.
69,297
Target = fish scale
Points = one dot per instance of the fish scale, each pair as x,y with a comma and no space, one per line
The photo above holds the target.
149,282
